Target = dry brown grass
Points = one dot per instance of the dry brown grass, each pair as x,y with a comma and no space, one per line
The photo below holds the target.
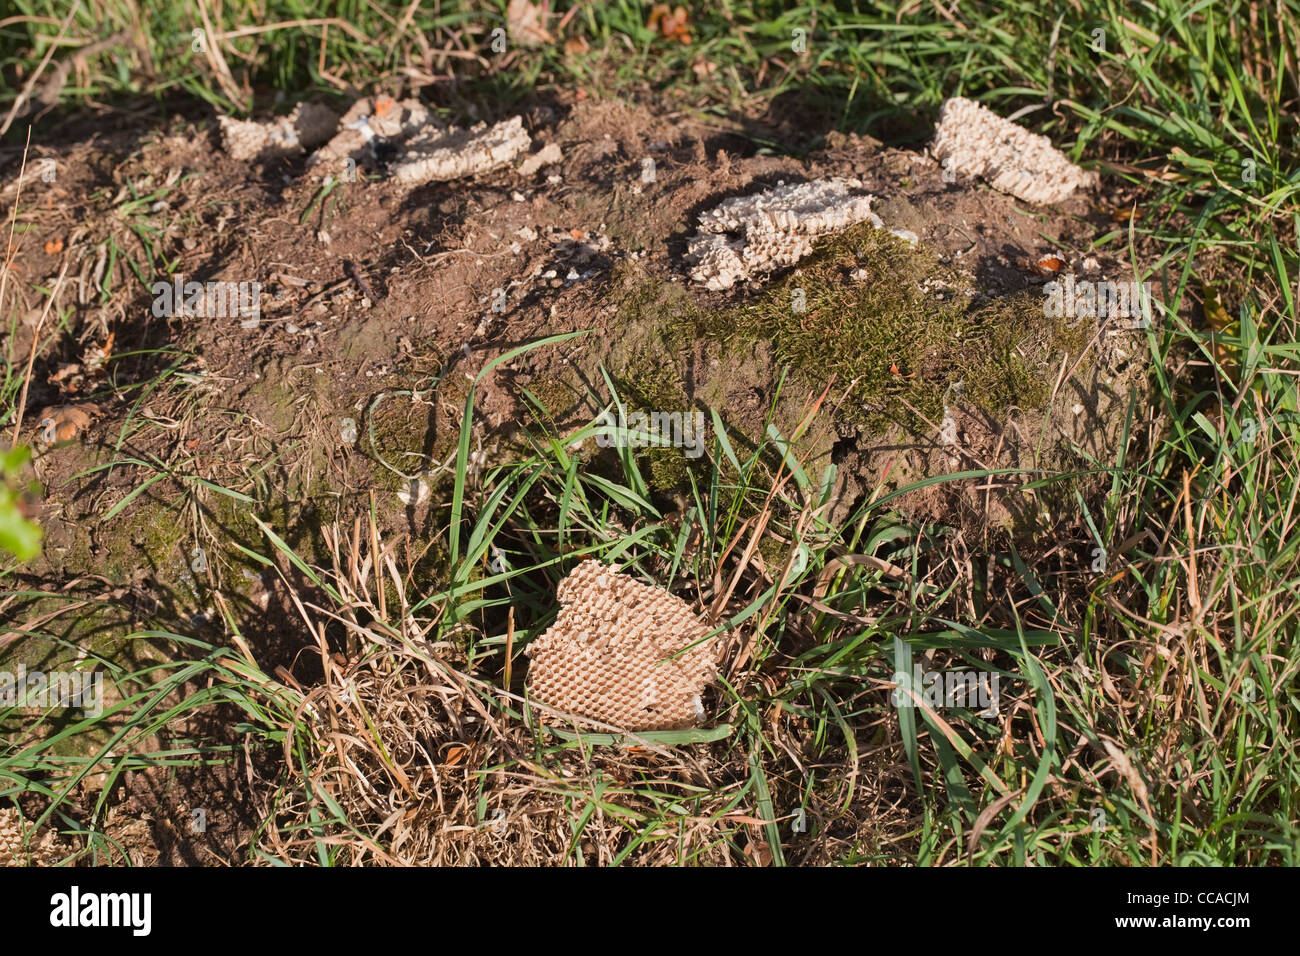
411,754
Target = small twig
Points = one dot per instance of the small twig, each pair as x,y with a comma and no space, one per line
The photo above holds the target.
351,269
13,218
510,646
36,341
327,290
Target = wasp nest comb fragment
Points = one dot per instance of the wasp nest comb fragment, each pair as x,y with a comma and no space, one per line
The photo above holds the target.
374,129
617,653
44,849
438,156
974,141
307,125
367,123
749,235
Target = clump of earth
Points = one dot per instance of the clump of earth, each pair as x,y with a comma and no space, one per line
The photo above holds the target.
395,252
914,313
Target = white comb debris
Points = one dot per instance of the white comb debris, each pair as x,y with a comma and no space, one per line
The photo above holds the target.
366,119
308,125
548,155
426,149
974,141
750,235
455,154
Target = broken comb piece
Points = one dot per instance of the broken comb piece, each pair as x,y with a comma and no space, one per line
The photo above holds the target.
974,141
618,653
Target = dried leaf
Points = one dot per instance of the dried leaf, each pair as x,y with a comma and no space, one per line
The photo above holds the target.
1043,265
671,24
526,22
759,853
746,819
1216,316
98,355
65,422
1220,322
68,376
1120,761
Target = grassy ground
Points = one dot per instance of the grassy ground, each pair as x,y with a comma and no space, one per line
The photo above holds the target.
1151,715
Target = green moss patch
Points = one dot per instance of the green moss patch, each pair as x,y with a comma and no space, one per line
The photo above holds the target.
903,336
869,309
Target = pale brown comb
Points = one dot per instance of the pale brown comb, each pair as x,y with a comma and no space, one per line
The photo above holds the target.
623,653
